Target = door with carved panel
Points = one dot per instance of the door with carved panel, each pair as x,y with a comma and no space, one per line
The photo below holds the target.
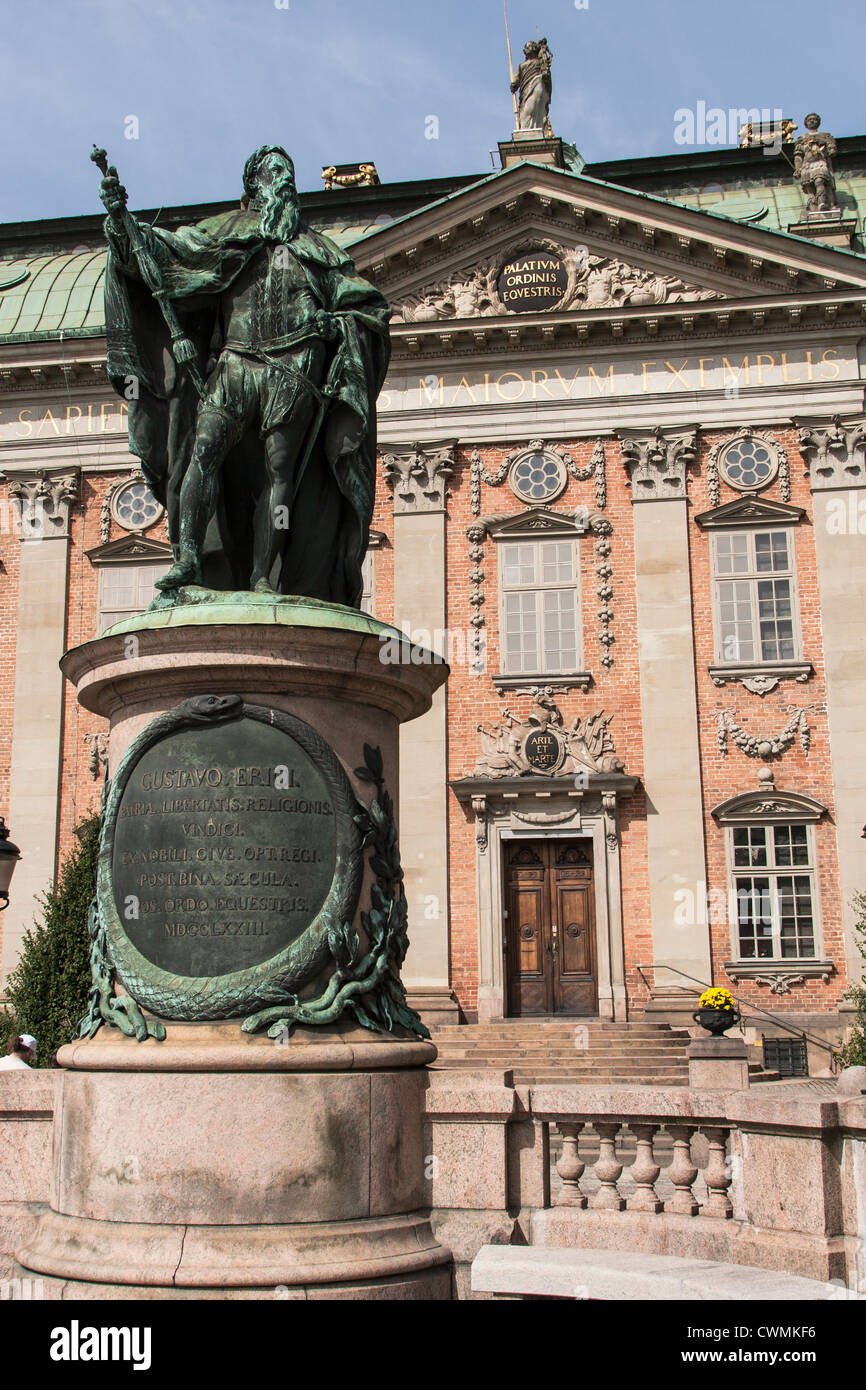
550,927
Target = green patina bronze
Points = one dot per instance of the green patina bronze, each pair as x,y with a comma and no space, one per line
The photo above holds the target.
197,607
326,970
251,355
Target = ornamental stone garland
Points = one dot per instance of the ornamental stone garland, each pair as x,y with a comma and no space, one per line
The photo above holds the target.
772,746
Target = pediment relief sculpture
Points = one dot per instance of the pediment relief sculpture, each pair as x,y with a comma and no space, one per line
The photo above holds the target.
550,277
542,744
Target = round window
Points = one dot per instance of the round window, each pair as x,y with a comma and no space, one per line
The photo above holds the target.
135,508
538,478
749,463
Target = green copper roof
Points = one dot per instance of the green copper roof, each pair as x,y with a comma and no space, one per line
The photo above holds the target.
56,293
784,202
43,296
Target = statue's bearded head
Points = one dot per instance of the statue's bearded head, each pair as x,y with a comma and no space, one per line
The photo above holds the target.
270,190
531,49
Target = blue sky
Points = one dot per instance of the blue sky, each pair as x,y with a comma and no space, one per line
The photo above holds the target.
342,80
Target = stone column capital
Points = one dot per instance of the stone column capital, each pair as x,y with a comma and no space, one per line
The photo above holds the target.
657,462
45,497
835,452
418,477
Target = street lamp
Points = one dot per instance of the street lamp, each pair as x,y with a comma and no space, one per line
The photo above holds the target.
9,856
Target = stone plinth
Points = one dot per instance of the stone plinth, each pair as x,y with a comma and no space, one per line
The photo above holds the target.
718,1064
319,661
216,1165
832,228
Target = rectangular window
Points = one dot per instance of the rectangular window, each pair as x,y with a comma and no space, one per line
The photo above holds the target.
774,885
754,579
540,610
126,590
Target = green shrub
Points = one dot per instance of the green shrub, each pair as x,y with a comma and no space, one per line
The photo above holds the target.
853,1052
47,992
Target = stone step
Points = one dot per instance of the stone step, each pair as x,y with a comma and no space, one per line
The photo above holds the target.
627,1072
547,1026
484,1055
617,1079
562,1048
562,1040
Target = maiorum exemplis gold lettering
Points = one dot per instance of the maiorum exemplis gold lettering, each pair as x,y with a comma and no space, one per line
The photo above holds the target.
623,377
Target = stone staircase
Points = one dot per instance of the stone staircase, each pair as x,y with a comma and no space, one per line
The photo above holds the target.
569,1051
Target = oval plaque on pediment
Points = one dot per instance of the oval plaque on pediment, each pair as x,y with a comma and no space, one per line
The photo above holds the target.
533,282
543,750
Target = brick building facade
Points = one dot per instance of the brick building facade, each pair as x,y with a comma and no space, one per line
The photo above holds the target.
621,491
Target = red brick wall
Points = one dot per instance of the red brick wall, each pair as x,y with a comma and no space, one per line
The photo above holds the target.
725,777
472,700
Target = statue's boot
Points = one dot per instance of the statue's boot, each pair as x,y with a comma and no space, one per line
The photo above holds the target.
183,571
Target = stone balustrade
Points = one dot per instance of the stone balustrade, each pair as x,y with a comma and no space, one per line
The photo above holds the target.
773,1178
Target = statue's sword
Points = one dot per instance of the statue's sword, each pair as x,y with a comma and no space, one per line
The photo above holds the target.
182,348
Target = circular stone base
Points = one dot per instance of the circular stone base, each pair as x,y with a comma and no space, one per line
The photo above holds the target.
222,1047
245,1178
380,1258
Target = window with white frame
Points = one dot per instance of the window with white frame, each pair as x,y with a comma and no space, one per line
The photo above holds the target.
755,596
126,590
774,883
540,608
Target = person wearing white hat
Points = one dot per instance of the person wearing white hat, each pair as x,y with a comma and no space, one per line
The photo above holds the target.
22,1053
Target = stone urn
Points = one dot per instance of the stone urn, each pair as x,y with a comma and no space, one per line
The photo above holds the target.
717,1021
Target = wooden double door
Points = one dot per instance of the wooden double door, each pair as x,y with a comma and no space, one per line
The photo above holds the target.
549,928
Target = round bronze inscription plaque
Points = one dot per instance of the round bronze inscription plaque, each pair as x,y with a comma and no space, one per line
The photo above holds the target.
533,282
229,852
224,850
543,750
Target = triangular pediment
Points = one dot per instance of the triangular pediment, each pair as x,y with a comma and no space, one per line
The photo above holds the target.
750,511
538,522
769,804
133,548
617,250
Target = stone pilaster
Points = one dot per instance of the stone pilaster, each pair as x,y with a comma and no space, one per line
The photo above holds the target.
835,451
657,465
44,498
418,478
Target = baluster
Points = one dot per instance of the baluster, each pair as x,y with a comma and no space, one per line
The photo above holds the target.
644,1171
608,1169
682,1172
718,1175
570,1167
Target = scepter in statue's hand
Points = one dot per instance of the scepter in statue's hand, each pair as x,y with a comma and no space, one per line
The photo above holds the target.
114,198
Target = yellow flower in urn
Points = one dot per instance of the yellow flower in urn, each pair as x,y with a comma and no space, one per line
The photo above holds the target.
716,999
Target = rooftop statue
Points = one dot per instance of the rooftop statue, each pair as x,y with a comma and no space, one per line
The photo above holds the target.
255,354
813,167
535,87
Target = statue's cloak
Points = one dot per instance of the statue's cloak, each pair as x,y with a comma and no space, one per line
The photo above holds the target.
197,264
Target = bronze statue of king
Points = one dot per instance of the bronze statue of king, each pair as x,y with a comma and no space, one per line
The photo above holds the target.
259,437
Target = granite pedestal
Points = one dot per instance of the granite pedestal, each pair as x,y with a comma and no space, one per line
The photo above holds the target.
216,1163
